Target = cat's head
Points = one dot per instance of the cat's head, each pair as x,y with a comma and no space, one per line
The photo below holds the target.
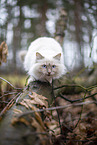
45,69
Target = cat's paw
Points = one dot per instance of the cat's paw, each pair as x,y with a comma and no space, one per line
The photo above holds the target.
31,79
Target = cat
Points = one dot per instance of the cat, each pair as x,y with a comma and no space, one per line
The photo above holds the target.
44,60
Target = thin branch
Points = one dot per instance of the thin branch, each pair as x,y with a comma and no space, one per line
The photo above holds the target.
9,105
77,100
81,112
53,95
7,94
3,102
76,85
55,108
10,84
70,85
27,80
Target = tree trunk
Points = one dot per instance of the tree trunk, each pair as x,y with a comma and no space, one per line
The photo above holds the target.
43,18
78,32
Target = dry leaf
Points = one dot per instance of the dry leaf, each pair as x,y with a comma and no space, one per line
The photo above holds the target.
38,126
35,99
40,129
3,52
28,104
35,118
17,111
22,120
38,118
24,103
53,125
38,100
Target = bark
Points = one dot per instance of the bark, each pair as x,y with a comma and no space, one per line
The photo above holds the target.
78,31
20,133
43,18
61,26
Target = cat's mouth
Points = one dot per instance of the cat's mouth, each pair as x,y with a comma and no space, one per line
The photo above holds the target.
48,74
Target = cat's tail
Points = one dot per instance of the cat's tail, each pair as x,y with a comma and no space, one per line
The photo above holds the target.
22,55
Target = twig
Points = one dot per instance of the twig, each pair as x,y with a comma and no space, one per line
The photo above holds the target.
77,100
10,84
80,113
27,80
7,94
3,102
76,85
55,108
83,141
70,85
53,95
9,104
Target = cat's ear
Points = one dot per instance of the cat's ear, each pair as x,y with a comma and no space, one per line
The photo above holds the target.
58,56
38,56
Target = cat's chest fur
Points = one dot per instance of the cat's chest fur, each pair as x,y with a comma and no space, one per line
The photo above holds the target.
44,60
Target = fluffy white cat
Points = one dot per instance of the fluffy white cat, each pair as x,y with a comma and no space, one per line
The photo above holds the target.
44,60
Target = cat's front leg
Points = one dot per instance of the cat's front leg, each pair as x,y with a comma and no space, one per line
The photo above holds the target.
31,79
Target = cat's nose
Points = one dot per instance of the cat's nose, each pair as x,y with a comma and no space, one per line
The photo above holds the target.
49,73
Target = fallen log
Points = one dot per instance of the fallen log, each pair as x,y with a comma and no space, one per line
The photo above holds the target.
30,129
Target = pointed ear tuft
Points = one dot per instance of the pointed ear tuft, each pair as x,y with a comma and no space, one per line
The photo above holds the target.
58,56
38,56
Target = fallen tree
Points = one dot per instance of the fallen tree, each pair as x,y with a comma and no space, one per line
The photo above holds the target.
29,129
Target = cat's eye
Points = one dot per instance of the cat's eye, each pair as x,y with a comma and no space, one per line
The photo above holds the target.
44,66
53,66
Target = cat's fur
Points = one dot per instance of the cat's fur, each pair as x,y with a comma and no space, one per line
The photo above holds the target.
44,60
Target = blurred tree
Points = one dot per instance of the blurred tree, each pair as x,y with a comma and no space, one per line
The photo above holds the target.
39,18
33,12
82,21
17,34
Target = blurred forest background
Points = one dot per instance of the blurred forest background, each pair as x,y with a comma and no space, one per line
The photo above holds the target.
23,21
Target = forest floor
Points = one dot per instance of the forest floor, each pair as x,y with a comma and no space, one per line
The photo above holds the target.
79,122
79,119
